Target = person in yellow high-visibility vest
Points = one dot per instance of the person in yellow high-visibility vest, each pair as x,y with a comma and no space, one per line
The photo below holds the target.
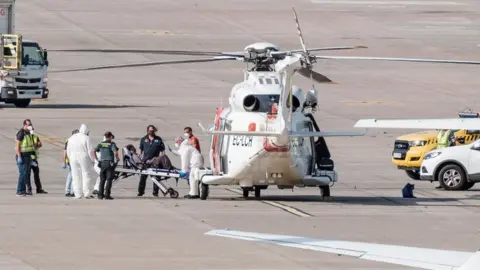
35,166
445,138
24,149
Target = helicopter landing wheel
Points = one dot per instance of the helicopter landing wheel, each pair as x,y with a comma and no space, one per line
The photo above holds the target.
204,191
246,192
325,192
257,192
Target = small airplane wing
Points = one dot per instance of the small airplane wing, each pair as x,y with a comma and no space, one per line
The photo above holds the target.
447,123
431,259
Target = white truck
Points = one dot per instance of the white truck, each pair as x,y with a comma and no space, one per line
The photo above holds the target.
24,64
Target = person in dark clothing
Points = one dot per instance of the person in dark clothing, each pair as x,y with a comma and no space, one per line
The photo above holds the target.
108,157
151,146
35,165
24,149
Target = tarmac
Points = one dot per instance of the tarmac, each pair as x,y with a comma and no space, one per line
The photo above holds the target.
52,231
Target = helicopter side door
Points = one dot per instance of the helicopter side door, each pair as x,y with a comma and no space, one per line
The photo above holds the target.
223,147
216,144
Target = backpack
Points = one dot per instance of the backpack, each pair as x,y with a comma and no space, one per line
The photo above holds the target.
407,191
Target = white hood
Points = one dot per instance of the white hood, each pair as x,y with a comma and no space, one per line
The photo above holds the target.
84,129
80,146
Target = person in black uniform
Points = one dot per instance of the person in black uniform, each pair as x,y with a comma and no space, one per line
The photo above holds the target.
151,146
109,156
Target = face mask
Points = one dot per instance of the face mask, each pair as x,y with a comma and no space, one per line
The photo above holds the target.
30,128
177,145
186,135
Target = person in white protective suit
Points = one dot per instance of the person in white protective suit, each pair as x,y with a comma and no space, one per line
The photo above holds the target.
192,161
97,170
79,152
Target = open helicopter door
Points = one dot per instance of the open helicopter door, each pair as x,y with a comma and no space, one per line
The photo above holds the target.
11,53
219,149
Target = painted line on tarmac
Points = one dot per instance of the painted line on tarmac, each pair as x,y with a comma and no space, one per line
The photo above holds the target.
284,207
385,2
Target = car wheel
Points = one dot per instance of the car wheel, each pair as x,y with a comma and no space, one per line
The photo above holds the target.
415,175
452,177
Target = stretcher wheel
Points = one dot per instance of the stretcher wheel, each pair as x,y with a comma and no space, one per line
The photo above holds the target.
173,194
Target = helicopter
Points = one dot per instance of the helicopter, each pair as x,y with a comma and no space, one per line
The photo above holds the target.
268,134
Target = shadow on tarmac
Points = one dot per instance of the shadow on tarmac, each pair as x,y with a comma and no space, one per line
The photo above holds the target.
347,200
383,201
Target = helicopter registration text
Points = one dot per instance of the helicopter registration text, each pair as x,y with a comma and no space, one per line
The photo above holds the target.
245,141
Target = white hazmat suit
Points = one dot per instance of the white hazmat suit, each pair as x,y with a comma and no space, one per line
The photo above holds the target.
97,169
79,152
192,160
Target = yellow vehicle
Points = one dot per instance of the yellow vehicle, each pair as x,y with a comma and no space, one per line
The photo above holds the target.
409,149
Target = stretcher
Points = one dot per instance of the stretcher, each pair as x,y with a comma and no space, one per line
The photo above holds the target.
158,176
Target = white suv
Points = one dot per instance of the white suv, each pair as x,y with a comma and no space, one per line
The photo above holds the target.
456,167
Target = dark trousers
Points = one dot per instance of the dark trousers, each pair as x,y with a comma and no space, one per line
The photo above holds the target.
36,178
107,171
143,184
24,173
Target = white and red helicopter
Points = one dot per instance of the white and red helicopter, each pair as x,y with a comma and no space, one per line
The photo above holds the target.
259,139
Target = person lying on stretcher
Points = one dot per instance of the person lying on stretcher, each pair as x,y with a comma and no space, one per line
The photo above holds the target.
135,158
160,162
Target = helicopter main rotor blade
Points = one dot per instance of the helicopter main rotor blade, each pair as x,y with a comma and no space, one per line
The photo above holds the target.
300,35
281,53
420,60
311,74
337,48
173,52
155,63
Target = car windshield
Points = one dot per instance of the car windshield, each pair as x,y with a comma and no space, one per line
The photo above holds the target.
32,55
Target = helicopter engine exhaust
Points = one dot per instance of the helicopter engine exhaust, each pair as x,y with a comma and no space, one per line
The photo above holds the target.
251,103
296,103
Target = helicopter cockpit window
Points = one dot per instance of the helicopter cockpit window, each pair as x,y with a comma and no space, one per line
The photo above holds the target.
269,81
276,81
260,81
